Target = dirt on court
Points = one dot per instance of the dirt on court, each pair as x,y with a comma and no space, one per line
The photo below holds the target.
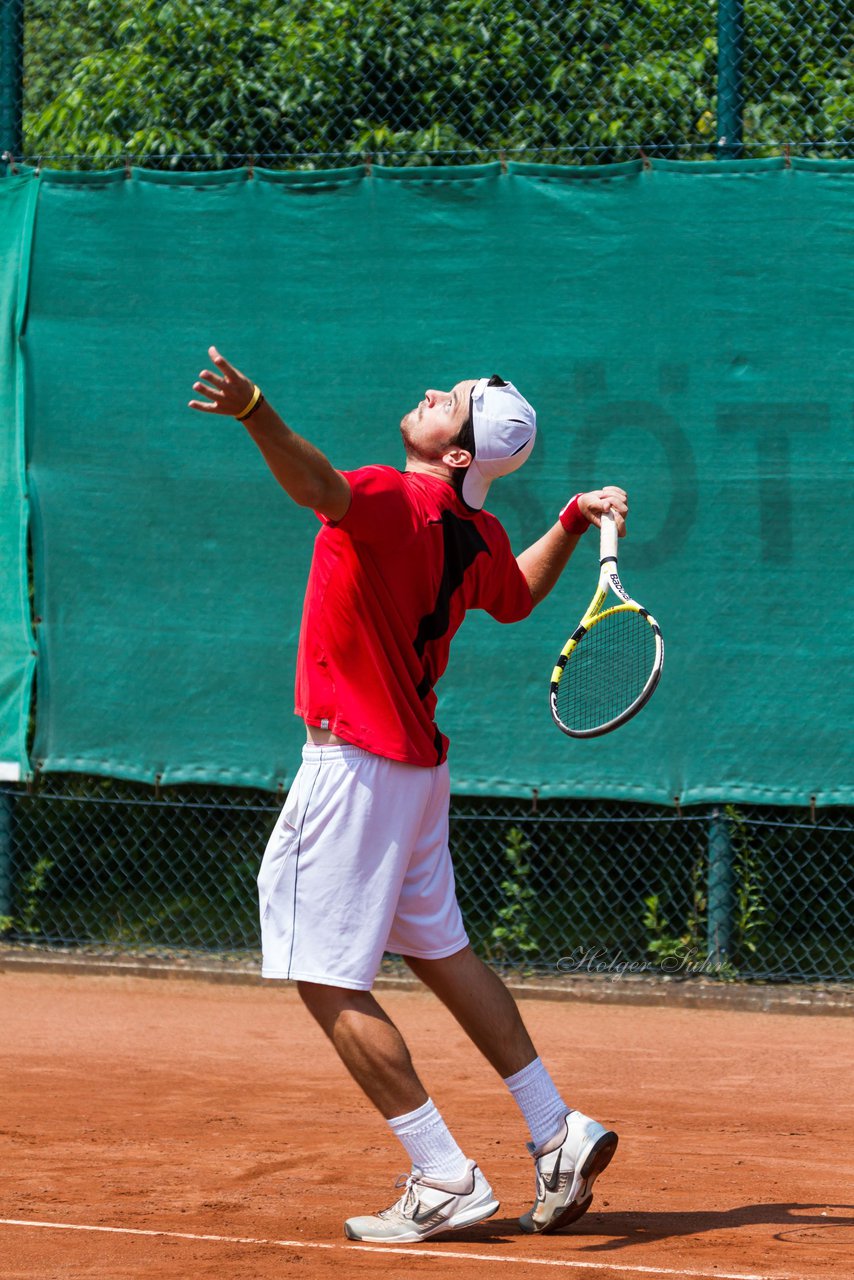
179,1110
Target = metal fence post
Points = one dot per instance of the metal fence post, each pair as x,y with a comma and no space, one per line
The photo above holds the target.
5,853
730,122
11,76
719,889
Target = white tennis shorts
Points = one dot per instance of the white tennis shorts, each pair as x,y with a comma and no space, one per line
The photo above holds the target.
358,864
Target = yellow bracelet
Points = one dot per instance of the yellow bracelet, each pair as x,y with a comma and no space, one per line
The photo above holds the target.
256,396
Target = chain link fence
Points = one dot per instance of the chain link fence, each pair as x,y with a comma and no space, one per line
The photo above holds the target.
552,886
318,83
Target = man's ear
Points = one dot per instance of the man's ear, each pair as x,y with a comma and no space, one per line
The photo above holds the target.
457,457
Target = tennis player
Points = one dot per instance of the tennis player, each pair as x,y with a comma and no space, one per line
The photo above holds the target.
358,862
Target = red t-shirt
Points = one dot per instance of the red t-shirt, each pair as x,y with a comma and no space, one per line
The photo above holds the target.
389,586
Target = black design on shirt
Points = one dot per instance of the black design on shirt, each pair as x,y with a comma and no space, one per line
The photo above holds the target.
462,543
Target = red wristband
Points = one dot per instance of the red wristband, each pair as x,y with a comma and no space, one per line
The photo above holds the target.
572,519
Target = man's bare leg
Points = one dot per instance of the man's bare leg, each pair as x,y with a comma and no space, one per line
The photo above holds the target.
487,1013
482,1005
374,1052
369,1044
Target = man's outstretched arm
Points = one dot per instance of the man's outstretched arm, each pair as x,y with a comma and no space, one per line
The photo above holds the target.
303,471
545,560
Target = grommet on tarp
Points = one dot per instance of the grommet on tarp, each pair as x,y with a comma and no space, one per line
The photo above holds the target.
250,168
645,160
127,167
9,159
368,163
787,155
535,796
158,778
678,806
503,160
812,808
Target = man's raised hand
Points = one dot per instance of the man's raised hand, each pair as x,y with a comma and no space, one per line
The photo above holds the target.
228,390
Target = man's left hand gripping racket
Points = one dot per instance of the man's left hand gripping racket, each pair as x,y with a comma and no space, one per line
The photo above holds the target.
610,665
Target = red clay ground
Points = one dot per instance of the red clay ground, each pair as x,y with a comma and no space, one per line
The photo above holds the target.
179,1107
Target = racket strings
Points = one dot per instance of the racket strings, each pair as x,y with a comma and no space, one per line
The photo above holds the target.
607,670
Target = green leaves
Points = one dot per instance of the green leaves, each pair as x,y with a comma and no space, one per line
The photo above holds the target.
511,940
165,82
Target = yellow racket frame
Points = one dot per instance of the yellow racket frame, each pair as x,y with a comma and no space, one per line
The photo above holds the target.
609,580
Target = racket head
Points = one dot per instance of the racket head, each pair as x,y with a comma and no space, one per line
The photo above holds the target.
608,669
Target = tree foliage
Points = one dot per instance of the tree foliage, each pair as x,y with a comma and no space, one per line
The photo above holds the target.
329,80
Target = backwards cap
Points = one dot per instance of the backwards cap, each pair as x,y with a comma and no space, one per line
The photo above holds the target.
504,427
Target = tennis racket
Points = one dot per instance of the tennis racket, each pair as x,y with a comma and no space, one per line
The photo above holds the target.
610,665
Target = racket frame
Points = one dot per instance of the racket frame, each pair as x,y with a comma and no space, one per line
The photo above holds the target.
609,580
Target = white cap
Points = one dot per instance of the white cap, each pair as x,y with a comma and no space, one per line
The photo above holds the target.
504,427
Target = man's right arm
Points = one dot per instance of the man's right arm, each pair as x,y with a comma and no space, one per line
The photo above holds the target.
545,560
301,469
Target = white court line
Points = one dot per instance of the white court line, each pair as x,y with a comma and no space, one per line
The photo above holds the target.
380,1249
435,1254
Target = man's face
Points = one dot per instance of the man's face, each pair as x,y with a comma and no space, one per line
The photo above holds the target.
429,429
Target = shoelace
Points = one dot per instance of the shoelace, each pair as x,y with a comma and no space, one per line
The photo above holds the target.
409,1199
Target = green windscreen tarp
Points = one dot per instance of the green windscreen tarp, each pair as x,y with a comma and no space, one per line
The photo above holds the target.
17,652
683,330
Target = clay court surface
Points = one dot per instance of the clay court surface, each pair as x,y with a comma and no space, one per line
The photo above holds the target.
171,1111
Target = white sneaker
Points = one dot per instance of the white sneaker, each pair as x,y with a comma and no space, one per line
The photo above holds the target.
566,1168
426,1208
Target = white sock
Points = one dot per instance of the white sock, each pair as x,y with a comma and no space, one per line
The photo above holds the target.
430,1144
538,1100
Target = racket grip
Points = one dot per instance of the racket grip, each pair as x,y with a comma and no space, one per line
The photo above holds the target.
608,537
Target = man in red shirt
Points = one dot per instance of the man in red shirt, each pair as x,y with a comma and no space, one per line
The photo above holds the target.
359,863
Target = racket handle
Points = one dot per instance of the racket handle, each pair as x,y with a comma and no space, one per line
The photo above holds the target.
608,537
